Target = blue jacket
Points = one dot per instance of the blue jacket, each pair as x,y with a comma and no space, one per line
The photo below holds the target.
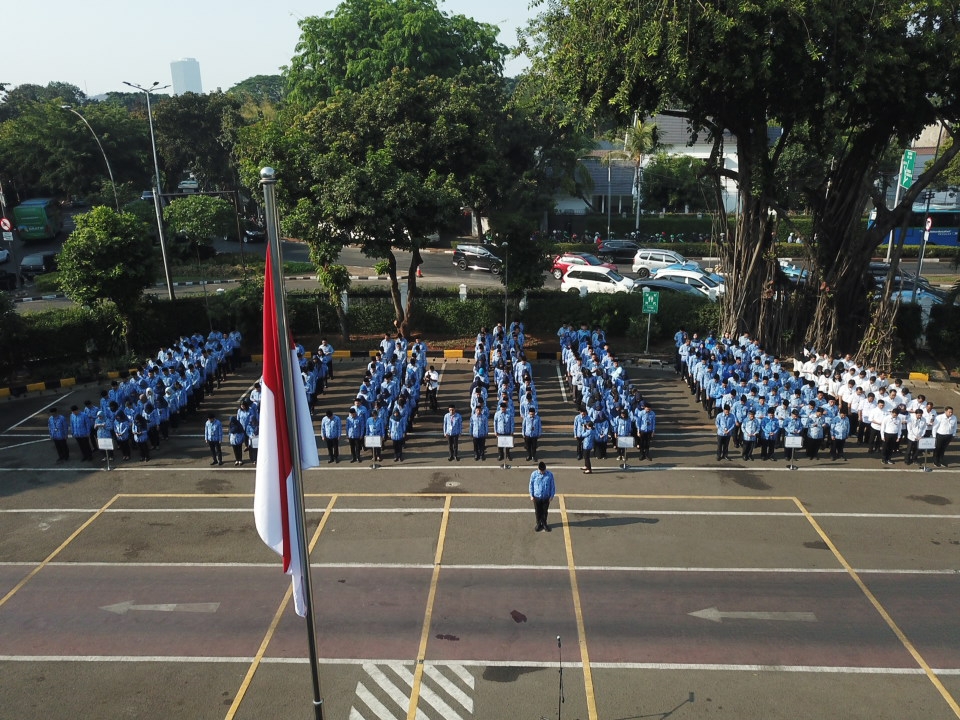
725,424
532,427
330,428
213,431
542,485
452,424
355,426
479,425
57,424
398,428
503,422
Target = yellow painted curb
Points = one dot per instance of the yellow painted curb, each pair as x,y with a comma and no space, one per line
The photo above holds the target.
68,382
453,353
36,386
4,392
341,353
113,375
256,358
920,376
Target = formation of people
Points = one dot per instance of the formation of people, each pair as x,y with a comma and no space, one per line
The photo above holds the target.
609,410
138,413
501,373
820,406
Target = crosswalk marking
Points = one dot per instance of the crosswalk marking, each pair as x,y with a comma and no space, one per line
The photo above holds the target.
397,685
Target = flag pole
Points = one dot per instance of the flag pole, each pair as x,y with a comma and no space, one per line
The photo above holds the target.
268,181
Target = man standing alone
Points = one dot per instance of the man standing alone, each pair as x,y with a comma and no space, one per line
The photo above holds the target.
542,489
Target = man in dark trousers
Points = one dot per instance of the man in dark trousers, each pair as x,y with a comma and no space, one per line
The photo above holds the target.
542,489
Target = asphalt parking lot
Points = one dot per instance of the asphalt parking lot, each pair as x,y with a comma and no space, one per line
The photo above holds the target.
680,587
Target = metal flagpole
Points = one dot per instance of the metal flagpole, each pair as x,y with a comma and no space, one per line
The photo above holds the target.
268,181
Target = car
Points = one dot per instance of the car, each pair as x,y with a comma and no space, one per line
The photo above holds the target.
594,279
902,279
8,280
37,264
670,286
477,257
617,251
794,273
563,263
254,232
647,261
147,195
694,267
4,256
699,280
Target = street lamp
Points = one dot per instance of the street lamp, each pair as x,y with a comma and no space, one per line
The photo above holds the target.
116,200
506,279
156,184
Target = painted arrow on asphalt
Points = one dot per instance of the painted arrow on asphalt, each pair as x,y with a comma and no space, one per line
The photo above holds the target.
718,616
127,605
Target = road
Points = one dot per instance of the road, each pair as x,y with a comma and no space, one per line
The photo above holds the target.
680,588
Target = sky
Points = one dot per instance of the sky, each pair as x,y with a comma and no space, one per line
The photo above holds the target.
96,46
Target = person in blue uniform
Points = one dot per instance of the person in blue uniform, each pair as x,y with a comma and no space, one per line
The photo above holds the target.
542,489
80,429
398,432
330,431
646,422
57,426
750,431
213,435
452,428
479,429
726,424
237,438
532,430
503,426
355,427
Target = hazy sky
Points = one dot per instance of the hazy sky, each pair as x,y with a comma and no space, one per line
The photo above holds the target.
97,45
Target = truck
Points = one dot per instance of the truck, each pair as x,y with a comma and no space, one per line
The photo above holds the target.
38,219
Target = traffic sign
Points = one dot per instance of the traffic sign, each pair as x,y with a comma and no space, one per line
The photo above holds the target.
906,168
651,302
928,225
7,236
5,224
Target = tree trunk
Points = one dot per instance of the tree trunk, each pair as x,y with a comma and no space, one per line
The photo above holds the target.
416,260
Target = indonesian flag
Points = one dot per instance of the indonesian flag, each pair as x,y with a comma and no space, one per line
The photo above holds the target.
273,507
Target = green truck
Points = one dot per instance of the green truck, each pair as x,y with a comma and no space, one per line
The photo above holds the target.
38,219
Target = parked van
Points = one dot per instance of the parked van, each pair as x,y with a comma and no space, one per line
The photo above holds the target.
38,219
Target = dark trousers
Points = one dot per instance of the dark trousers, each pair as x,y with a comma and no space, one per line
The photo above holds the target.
768,447
645,444
84,444
63,450
355,446
586,458
397,450
215,450
813,447
153,434
837,449
432,398
748,449
453,444
723,446
333,449
941,447
144,450
237,453
579,448
540,507
479,448
530,444
889,445
124,448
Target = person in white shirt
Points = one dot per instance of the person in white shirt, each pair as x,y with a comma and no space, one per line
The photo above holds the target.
877,416
916,429
890,435
944,428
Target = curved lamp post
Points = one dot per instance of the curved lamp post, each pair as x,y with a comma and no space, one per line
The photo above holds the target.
156,185
116,200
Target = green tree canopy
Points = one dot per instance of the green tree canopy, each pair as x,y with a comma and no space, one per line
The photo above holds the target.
107,258
198,218
196,134
260,88
362,42
674,183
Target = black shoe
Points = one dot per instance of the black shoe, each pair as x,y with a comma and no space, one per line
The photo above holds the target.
547,528
538,528
214,462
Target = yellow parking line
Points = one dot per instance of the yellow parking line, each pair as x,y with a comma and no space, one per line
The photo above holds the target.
581,632
56,552
891,623
268,636
428,614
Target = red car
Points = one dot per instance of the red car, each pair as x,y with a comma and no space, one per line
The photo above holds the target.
562,263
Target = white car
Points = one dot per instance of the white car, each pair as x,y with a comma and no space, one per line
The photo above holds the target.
4,256
694,278
595,279
648,260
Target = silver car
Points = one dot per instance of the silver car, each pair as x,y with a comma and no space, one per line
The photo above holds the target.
648,260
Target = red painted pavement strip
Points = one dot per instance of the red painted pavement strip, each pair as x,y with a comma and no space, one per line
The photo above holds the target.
59,611
503,615
365,613
644,617
927,609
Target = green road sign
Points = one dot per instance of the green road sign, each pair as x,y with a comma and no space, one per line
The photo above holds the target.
651,302
906,168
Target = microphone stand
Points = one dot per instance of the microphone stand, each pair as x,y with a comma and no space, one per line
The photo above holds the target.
560,698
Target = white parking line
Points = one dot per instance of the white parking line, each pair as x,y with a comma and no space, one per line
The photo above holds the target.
49,404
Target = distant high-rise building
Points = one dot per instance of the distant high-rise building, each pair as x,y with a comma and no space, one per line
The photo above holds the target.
186,76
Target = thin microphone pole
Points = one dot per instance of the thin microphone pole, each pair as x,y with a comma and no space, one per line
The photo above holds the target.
560,698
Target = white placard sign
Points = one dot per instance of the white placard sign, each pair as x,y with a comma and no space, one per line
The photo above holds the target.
625,441
793,442
927,443
505,441
373,441
105,443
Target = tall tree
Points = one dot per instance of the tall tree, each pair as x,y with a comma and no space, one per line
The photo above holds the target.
362,42
846,78
107,258
196,134
260,88
639,140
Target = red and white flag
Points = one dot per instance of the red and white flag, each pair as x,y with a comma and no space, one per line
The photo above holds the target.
273,507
